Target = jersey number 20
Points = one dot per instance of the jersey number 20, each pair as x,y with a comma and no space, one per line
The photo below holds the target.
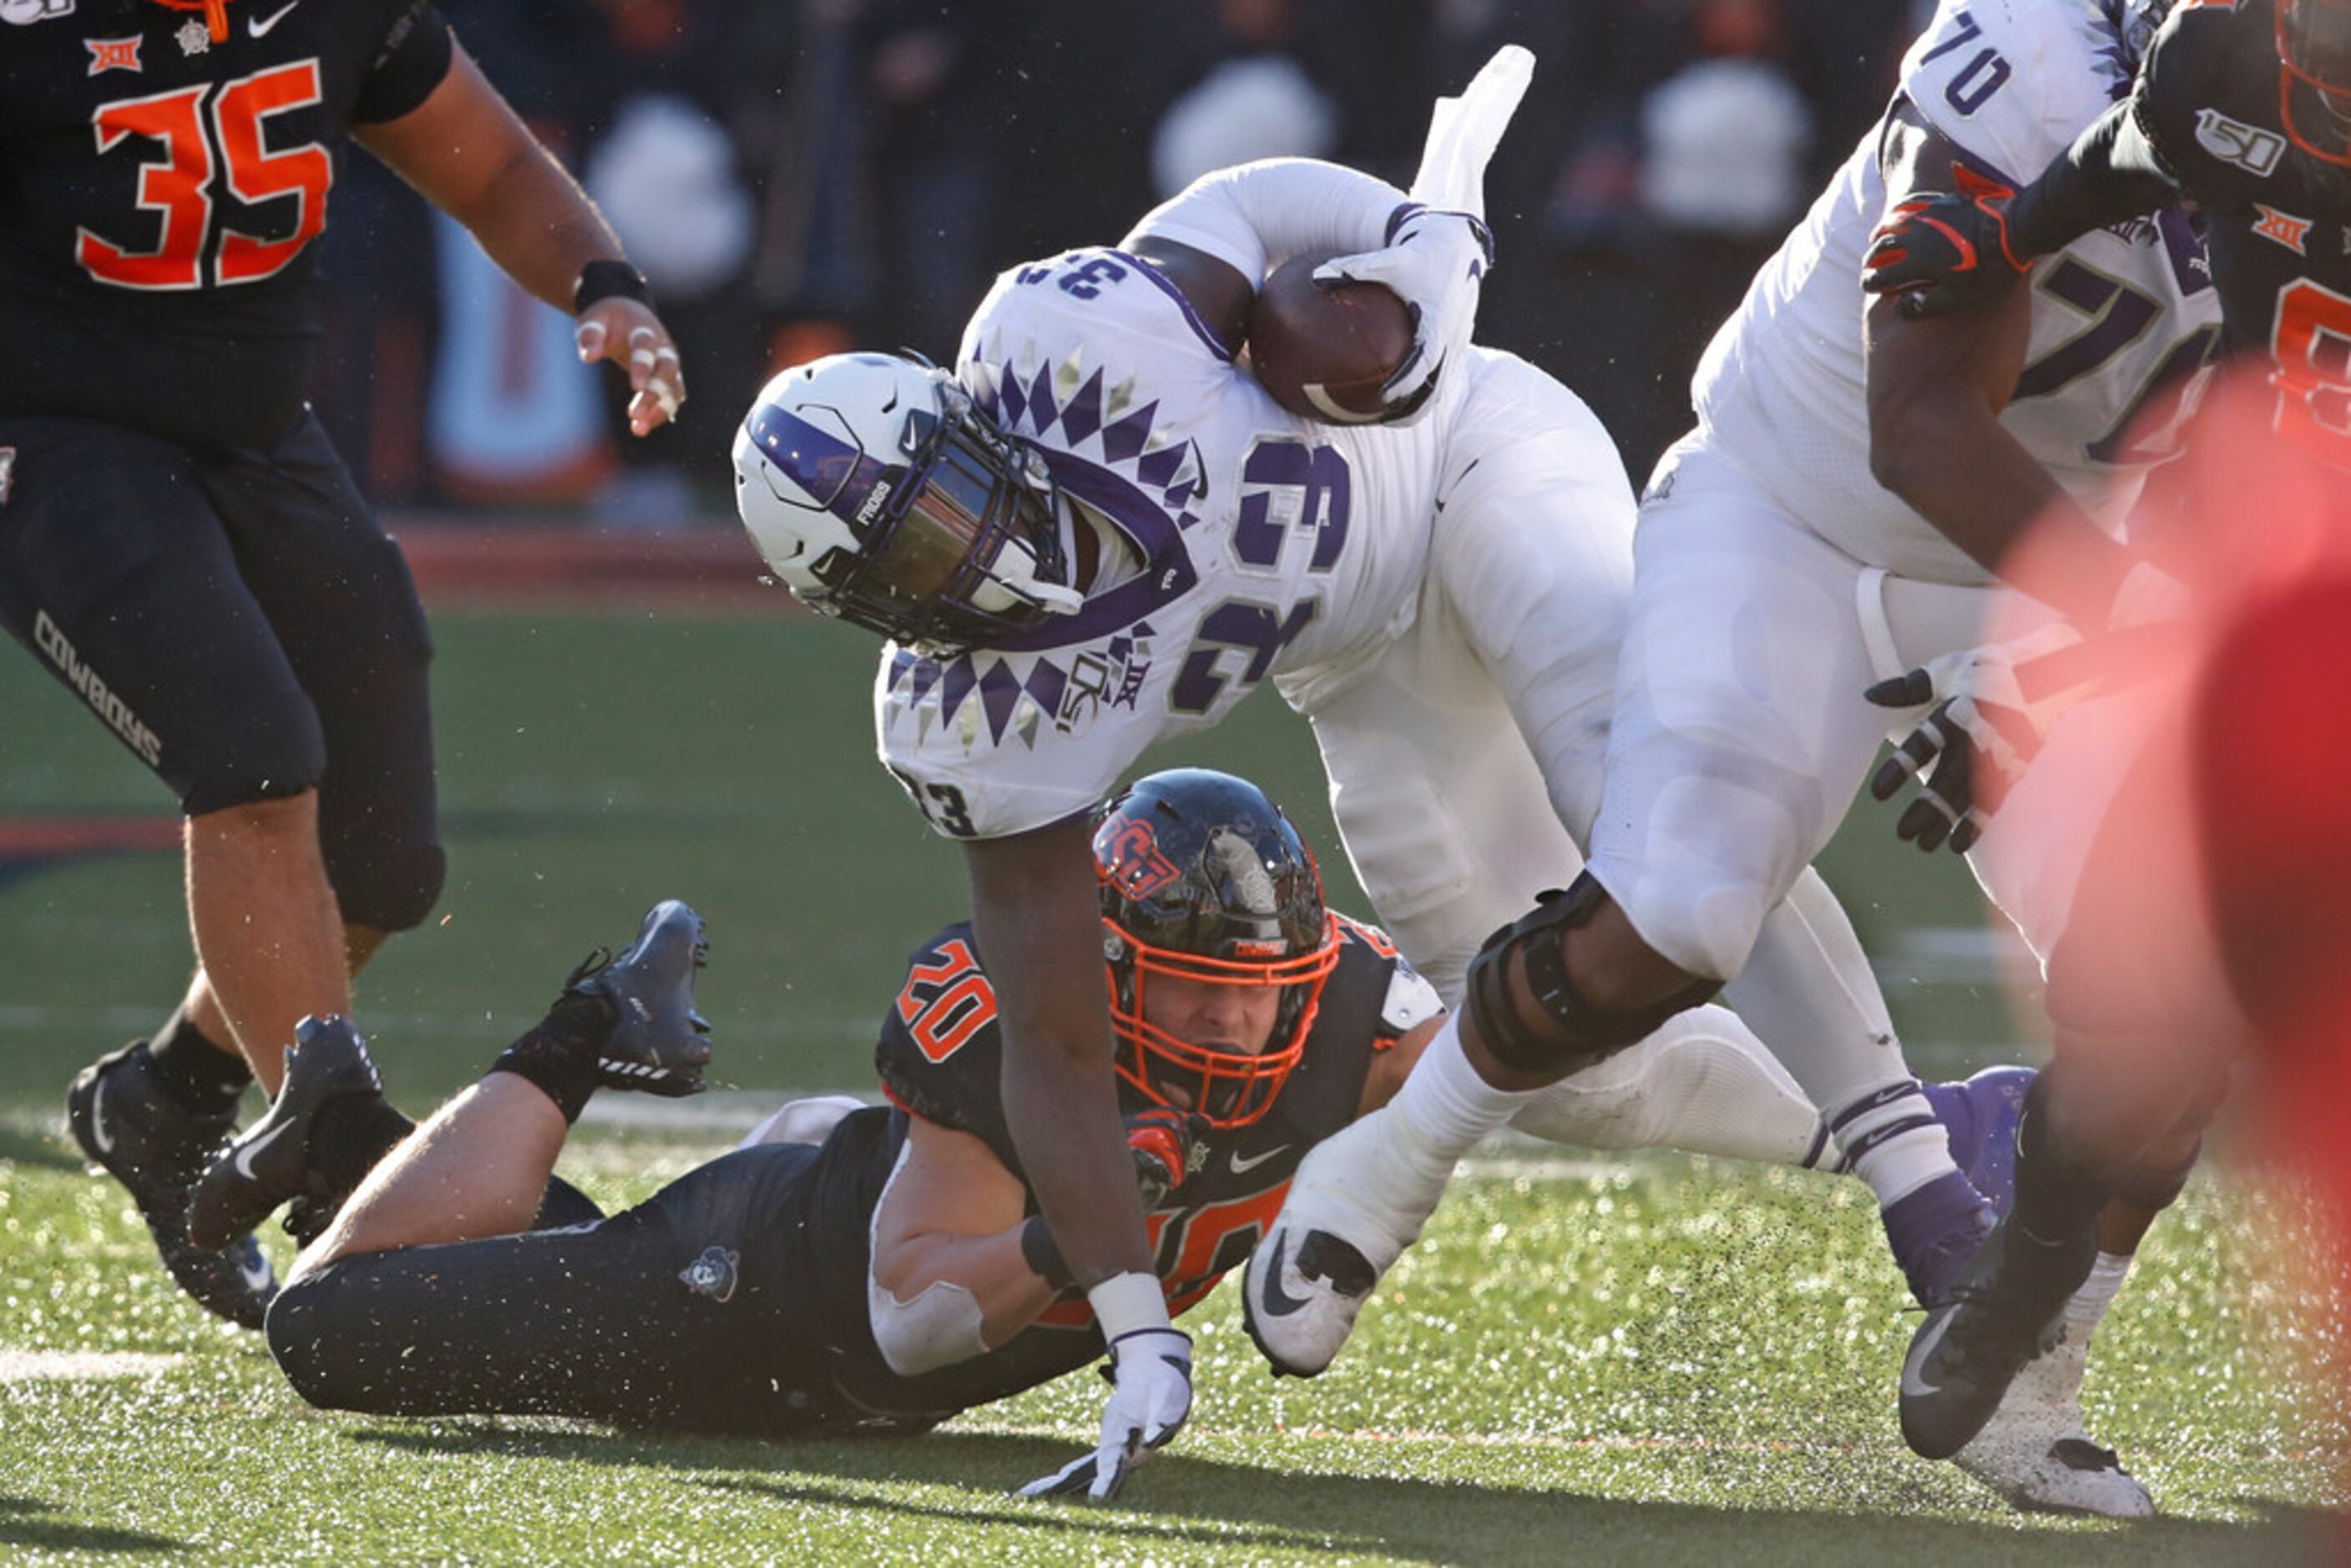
180,184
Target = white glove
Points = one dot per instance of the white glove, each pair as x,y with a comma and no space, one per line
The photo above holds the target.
1439,248
1435,261
1150,1374
1993,706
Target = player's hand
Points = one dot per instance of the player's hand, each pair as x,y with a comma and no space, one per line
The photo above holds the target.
1169,1144
1150,1373
1941,253
1436,262
1990,711
627,332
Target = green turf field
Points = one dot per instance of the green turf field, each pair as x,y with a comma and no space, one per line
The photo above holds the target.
1660,1360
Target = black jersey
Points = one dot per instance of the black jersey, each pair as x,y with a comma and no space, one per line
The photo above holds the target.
941,1058
160,193
2278,220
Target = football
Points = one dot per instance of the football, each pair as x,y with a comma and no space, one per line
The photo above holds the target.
1325,354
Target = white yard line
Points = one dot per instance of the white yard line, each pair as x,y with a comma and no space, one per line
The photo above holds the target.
81,1365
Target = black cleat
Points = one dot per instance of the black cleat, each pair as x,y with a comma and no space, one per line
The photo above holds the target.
2008,1309
658,1043
129,1127
269,1162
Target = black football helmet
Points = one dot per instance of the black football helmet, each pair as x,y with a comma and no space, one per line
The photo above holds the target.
1204,878
2313,46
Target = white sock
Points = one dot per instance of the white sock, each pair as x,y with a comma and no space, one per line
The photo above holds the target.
1808,990
1892,1137
1445,1107
1702,1083
2089,1304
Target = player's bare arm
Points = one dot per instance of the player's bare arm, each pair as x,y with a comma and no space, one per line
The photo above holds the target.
1937,253
466,152
1215,290
1037,918
949,1275
1936,387
1392,1066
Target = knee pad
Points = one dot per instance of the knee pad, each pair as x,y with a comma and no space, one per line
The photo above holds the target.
301,1336
1554,1030
390,887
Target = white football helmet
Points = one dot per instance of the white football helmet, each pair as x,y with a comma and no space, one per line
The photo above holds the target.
879,494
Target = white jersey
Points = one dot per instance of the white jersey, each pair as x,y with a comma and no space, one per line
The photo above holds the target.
2120,318
1268,544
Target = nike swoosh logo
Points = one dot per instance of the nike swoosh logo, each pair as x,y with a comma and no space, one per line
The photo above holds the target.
259,25
1913,1385
1279,1302
244,1161
1243,1166
98,1133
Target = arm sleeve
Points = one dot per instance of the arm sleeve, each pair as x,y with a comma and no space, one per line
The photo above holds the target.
413,59
1254,216
2111,173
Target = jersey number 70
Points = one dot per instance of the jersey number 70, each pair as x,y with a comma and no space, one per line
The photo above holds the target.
180,184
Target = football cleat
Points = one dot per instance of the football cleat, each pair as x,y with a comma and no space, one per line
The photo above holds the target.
1935,1231
1353,1206
658,1044
1979,1116
2007,1309
2033,1451
129,1127
269,1162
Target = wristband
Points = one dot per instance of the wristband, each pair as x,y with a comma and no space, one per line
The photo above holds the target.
603,279
1043,1258
1129,1303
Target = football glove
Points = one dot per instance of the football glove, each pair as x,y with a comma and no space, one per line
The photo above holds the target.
1150,1374
1991,708
1435,261
1169,1144
1941,253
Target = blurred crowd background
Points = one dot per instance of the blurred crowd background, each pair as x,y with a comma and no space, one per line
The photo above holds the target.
799,176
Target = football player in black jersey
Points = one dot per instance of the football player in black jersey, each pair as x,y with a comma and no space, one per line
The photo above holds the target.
855,1268
179,544
2242,108
876,1267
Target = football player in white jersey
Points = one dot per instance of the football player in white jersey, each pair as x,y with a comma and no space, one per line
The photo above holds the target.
1820,531
1100,533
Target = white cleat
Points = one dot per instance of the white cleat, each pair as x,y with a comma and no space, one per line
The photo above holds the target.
1353,1206
2033,1452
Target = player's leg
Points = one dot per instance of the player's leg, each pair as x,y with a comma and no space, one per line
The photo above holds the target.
2142,1033
115,573
1517,633
341,604
1739,738
695,1309
331,1141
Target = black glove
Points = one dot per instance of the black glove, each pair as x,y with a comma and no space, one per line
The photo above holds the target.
1979,736
1941,253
